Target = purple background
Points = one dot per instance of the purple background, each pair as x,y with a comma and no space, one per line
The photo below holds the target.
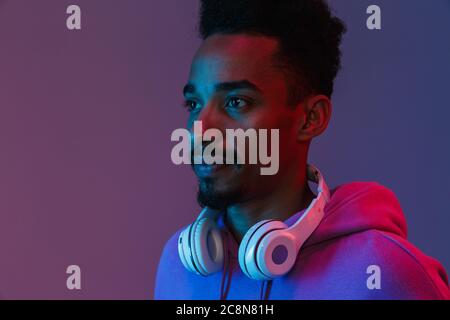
86,117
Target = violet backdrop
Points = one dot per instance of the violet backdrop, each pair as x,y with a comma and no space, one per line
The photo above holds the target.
86,116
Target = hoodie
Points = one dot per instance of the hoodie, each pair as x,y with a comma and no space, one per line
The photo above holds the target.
359,251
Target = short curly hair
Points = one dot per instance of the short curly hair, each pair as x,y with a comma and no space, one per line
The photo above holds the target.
309,37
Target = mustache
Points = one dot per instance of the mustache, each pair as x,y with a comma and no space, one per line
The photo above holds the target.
223,153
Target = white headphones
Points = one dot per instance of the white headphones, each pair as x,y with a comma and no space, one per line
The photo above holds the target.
269,249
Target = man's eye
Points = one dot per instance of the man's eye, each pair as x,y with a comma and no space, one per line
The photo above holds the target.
190,105
236,103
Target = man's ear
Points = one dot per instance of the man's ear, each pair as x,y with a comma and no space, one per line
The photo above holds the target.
316,114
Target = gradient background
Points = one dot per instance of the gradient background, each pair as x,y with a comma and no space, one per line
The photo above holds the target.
86,116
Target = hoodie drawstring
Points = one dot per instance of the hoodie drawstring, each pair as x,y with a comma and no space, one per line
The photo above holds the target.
266,286
227,269
227,273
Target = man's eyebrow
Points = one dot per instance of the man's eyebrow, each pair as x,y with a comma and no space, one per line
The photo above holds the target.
236,85
225,86
189,88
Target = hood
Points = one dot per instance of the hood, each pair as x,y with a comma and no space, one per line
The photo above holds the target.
353,208
356,207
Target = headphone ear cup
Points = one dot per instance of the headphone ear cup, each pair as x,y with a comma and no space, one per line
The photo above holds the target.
248,259
184,249
244,245
207,247
276,253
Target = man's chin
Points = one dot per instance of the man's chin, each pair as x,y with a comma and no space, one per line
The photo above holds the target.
211,201
216,195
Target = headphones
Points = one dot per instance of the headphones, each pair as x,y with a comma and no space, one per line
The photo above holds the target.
268,250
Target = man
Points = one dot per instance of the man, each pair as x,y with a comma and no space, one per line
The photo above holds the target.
271,65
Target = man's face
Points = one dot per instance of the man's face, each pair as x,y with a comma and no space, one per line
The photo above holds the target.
234,83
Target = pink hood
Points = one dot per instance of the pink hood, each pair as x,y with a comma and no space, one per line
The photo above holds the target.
357,207
363,226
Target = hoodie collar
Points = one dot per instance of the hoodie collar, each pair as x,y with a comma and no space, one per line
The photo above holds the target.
353,207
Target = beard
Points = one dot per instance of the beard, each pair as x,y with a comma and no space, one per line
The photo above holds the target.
209,196
222,190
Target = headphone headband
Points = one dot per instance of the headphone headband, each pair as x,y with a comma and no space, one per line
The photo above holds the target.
311,218
268,249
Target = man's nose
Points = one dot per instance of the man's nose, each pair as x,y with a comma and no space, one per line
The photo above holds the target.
210,118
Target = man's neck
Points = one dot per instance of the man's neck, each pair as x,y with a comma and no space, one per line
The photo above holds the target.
290,198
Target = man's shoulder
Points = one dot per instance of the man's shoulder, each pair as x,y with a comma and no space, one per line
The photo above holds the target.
170,250
169,267
404,272
412,268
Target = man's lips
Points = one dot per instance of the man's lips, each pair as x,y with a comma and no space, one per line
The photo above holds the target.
207,170
202,169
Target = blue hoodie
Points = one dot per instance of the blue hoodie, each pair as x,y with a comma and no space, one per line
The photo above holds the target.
359,251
